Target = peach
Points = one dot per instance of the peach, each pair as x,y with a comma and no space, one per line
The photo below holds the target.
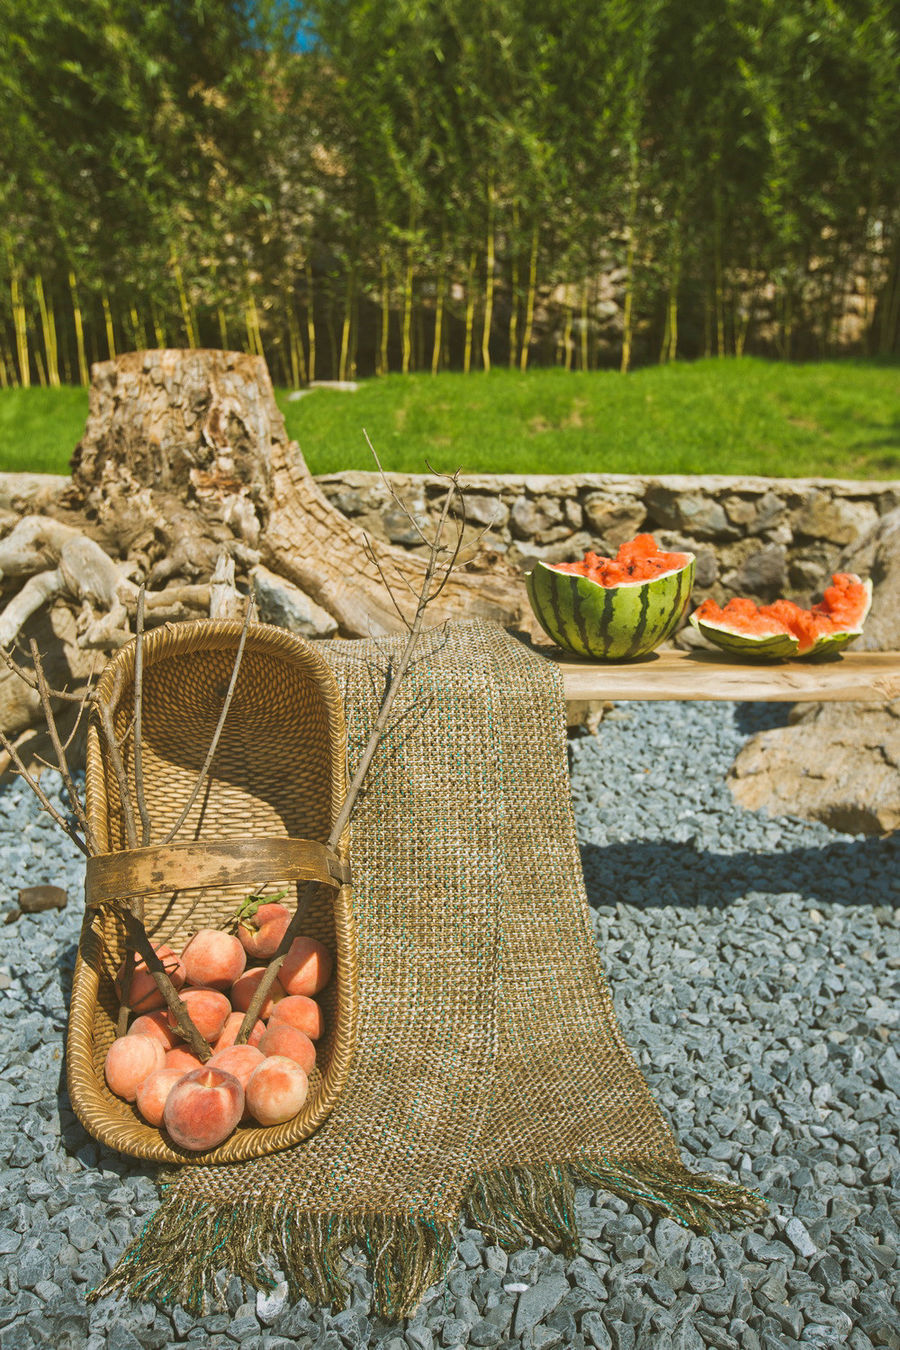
270,923
213,960
302,1012
183,1060
207,1009
232,1027
153,1092
243,990
154,1024
306,968
240,1060
276,1090
143,995
284,1040
203,1108
129,1060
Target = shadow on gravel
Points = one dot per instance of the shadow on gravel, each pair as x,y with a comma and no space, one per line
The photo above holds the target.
654,874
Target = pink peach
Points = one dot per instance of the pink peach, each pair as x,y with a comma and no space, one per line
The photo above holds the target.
203,1108
154,1024
207,1009
283,1039
213,959
183,1060
129,1060
243,990
276,1090
232,1026
143,995
306,968
239,1060
302,1012
153,1092
270,923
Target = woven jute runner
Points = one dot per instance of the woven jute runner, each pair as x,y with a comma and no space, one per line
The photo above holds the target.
491,1074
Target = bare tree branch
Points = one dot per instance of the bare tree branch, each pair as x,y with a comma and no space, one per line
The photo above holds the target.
138,712
201,777
42,797
62,762
394,680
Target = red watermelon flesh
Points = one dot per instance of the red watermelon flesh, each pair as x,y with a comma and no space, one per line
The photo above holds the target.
637,560
842,609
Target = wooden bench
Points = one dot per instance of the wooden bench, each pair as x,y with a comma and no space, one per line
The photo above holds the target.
863,676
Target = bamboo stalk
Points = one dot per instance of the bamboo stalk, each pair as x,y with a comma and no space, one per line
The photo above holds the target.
470,314
585,363
529,301
110,332
438,322
383,359
407,312
310,320
187,312
345,324
567,334
20,324
488,284
48,326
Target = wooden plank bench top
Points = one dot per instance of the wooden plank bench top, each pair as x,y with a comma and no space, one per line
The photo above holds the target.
863,676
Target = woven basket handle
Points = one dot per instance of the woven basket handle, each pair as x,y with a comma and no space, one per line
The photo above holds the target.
195,864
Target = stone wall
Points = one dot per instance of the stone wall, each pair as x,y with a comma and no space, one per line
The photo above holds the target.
762,537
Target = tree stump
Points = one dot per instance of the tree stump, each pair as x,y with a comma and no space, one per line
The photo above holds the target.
185,453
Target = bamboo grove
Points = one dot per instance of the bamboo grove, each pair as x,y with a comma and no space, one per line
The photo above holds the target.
362,186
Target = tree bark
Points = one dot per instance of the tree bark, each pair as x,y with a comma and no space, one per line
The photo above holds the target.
185,454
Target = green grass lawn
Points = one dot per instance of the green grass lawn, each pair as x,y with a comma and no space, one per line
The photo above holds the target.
836,419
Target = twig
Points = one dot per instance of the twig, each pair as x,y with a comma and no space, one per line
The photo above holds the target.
113,750
138,711
213,745
396,496
71,696
62,762
394,680
138,939
369,552
41,795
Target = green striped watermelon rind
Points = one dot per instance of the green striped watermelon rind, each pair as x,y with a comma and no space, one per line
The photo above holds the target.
774,646
609,623
781,646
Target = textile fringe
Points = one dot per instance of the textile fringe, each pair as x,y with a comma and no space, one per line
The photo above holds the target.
182,1246
514,1204
177,1254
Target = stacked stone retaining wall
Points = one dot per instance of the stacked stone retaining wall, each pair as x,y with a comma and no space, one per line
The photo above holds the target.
762,537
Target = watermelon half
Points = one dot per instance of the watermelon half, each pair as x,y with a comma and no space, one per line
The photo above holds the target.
781,630
613,609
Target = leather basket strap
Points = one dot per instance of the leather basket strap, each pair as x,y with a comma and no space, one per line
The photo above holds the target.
198,863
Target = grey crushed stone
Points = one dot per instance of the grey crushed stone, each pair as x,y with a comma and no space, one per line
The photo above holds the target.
754,964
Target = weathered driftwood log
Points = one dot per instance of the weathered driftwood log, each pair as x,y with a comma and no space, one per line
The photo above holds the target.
187,453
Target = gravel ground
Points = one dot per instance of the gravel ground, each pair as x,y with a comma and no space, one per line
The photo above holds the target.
755,966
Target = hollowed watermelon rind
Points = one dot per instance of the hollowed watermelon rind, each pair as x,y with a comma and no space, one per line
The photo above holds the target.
758,647
781,646
609,623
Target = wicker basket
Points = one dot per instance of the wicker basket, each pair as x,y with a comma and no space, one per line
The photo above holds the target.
261,820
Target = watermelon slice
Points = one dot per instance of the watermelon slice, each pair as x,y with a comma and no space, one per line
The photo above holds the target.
783,629
613,609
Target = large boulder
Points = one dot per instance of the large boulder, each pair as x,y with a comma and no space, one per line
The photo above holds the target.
838,762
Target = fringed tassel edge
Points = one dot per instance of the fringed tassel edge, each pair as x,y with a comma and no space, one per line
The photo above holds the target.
514,1204
181,1247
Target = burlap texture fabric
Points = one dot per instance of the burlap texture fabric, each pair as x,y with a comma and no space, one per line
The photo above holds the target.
491,1075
